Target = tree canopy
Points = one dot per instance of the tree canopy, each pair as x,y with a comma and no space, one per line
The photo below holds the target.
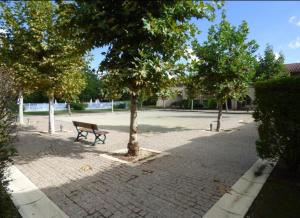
54,57
269,66
15,49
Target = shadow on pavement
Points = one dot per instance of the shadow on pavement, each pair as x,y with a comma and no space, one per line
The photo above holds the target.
185,183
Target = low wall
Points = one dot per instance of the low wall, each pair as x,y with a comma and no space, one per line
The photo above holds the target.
31,107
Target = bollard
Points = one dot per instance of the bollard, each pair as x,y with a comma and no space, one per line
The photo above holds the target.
211,126
28,121
61,127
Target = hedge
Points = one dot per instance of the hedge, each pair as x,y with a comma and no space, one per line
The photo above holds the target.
77,106
278,116
186,104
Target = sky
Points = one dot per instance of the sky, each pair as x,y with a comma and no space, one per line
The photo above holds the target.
270,22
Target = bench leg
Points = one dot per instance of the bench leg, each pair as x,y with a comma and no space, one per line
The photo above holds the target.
81,135
99,139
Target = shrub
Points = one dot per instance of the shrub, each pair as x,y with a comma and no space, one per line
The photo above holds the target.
78,106
7,121
183,104
150,101
210,103
198,105
186,104
278,115
175,104
121,106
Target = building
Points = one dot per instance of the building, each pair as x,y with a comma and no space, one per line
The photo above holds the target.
293,69
180,94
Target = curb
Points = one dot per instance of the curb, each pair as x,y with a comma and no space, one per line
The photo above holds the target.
237,202
29,199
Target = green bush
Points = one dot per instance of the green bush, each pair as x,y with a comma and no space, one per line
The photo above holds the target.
78,106
121,106
186,104
210,103
198,105
183,104
7,125
150,101
278,115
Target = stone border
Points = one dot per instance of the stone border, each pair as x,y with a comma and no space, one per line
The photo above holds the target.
237,202
137,163
28,199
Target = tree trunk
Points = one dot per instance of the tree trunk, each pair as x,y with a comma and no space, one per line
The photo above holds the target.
226,103
21,113
112,105
219,116
133,146
141,105
164,103
192,104
51,128
69,109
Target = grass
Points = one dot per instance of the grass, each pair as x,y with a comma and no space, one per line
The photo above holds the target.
7,208
279,197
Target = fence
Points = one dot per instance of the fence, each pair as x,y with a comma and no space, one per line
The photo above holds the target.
31,107
105,105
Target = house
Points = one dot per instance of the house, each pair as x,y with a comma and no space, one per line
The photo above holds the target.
180,94
293,69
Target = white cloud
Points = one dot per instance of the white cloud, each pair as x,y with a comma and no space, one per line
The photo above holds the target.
294,20
295,43
277,55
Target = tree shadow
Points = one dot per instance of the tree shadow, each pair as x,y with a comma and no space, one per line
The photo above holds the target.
200,116
185,183
145,128
27,128
208,111
32,146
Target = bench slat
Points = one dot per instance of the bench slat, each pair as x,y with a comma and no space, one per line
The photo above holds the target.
86,125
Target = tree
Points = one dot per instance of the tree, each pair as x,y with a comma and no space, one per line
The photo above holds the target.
93,88
71,85
15,52
164,94
145,40
225,62
192,87
111,89
51,53
269,66
143,96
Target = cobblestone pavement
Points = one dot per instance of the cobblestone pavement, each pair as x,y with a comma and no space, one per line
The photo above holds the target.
200,168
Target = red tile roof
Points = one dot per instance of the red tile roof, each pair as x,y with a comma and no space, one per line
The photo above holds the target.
293,69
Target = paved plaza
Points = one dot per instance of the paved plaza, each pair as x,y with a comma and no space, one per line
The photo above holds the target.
200,166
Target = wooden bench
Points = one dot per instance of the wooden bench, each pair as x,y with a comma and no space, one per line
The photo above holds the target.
83,129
